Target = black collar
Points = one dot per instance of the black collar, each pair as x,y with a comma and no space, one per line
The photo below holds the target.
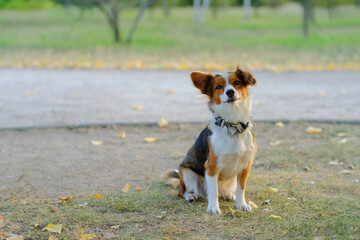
239,127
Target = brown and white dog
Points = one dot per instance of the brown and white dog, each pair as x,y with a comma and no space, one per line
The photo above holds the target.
219,162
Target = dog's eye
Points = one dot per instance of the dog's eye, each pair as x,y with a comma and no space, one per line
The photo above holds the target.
218,87
236,82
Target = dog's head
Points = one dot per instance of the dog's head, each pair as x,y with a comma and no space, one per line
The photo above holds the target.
227,88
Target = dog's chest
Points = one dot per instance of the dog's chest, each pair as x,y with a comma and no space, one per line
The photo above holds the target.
233,152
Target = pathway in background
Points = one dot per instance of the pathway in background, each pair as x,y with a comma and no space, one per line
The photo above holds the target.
36,98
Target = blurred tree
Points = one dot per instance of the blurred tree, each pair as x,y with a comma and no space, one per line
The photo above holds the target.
200,9
306,17
111,10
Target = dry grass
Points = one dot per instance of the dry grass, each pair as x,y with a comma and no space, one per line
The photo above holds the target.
323,203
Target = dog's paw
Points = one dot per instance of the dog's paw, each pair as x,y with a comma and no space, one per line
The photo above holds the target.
191,197
213,210
229,196
243,207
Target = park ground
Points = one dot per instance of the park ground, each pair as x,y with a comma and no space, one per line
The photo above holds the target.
315,176
59,38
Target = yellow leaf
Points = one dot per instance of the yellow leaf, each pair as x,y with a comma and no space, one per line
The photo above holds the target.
122,135
253,205
138,107
30,94
52,238
98,64
139,189
149,140
116,227
169,92
96,143
84,236
279,124
312,130
65,199
163,123
97,196
126,188
270,189
275,217
54,228
182,66
275,143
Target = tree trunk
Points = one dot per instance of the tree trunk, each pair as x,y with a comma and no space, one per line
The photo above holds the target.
246,9
306,20
143,6
166,7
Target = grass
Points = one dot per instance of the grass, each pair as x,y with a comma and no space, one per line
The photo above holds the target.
38,38
323,204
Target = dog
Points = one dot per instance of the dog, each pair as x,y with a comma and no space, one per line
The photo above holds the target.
219,162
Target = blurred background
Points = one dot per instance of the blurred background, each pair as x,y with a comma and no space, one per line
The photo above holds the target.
275,35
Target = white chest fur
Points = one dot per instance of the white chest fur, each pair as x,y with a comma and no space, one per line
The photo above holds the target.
233,152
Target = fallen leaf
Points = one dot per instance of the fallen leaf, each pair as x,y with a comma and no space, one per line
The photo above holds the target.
169,92
341,134
322,93
54,228
65,199
139,189
335,163
286,203
291,198
126,188
82,205
110,235
13,237
97,196
138,107
266,202
122,135
149,140
270,189
276,143
344,92
96,143
236,212
275,217
52,238
161,216
36,225
84,236
351,166
116,227
342,141
279,124
312,130
30,93
322,214
2,224
345,172
163,123
253,205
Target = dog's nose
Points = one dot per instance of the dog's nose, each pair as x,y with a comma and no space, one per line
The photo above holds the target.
230,93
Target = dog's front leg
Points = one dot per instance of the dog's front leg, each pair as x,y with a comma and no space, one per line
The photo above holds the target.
240,191
212,193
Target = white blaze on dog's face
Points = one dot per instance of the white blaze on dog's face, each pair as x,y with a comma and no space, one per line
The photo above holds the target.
227,88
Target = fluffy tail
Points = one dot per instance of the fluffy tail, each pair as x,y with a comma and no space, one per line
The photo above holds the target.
172,177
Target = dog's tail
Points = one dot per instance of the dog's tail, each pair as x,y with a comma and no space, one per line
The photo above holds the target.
172,177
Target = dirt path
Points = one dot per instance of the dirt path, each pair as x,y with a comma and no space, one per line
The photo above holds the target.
66,97
56,162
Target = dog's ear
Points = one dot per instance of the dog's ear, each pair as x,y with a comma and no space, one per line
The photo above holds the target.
202,81
245,77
